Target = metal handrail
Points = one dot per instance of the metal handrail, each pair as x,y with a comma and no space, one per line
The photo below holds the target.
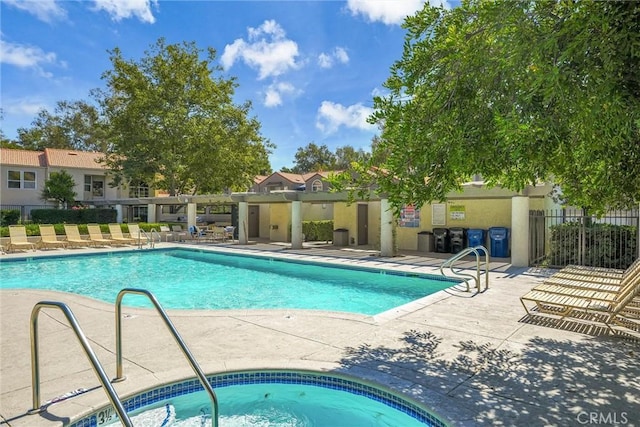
475,250
97,368
152,232
147,236
176,336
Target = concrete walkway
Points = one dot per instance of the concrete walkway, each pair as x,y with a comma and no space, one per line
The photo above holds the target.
474,359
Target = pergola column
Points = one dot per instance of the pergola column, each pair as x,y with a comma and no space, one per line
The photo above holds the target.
296,224
386,228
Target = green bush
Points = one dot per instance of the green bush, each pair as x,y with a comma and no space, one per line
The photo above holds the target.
73,216
9,217
604,245
317,230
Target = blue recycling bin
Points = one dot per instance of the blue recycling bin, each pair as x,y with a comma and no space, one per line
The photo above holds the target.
476,237
499,242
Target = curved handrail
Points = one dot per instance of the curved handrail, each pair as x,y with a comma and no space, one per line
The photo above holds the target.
475,250
35,365
176,336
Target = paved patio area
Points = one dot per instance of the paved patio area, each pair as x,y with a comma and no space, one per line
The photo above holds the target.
474,359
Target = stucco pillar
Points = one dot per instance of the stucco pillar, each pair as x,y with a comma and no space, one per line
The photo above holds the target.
151,212
243,223
296,224
520,231
386,228
191,214
119,214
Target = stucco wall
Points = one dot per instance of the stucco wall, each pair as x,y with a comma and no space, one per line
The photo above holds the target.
317,211
280,214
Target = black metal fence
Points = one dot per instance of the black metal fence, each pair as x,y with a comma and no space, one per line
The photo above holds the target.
561,237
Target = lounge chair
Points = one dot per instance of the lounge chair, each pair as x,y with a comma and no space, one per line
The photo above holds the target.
166,233
138,235
115,232
18,238
179,232
586,301
49,238
73,236
95,235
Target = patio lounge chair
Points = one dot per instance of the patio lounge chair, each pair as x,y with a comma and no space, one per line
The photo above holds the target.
599,280
615,307
116,234
95,235
49,238
179,232
138,235
73,236
18,238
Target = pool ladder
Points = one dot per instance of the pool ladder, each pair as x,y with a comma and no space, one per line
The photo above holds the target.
465,276
95,363
149,237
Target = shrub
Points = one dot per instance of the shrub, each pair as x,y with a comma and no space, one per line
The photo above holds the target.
317,230
9,217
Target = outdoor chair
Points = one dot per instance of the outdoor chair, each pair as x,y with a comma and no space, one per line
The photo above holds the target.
18,238
179,232
95,235
48,237
73,236
115,232
587,302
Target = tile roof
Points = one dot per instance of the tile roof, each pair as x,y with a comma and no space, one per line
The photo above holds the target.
73,159
22,157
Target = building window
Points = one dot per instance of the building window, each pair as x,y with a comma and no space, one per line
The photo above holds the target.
139,189
316,185
87,183
21,179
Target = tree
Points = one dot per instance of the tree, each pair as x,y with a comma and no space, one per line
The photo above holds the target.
519,92
312,158
73,125
346,155
174,124
59,187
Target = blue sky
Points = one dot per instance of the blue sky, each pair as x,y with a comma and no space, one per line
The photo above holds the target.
310,68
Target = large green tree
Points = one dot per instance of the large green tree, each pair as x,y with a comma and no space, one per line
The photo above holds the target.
519,92
314,158
174,123
75,125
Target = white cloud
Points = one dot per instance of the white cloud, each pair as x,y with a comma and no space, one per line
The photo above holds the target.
331,116
44,10
25,56
267,50
25,106
339,54
389,12
274,93
122,9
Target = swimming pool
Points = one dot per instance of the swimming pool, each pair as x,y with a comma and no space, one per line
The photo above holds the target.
270,398
196,279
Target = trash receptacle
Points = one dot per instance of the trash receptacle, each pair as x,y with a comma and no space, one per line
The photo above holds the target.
476,237
499,242
441,240
458,238
425,241
341,237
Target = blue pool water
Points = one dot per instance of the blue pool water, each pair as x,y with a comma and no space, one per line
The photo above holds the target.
273,399
191,279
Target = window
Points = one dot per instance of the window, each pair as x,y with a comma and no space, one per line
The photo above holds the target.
139,189
98,188
21,179
316,185
87,183
94,185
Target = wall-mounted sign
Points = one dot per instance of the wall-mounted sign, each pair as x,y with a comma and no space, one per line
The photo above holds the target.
409,217
457,212
439,214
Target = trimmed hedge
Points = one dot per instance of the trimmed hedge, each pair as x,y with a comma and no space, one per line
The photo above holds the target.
9,217
318,230
34,230
607,245
73,216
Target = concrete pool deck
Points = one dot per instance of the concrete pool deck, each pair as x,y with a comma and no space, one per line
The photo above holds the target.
474,359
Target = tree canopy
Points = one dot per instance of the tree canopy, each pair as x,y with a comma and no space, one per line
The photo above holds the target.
519,92
59,187
74,125
174,124
314,158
